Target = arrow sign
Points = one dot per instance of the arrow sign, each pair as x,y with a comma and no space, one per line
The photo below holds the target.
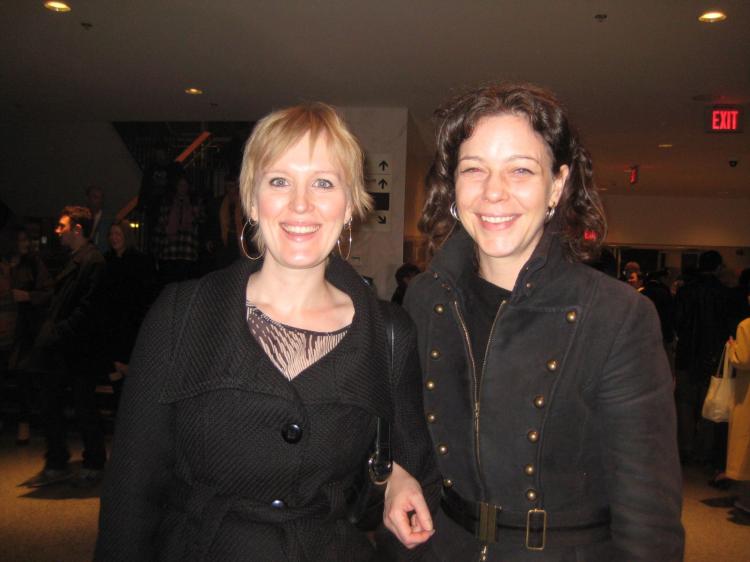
378,164
381,219
382,183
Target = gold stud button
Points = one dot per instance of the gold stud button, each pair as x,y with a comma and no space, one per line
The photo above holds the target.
552,365
447,482
435,354
435,275
431,418
531,495
529,285
442,449
571,316
539,401
430,384
533,436
439,309
529,470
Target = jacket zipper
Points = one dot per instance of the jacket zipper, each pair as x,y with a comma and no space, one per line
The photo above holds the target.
475,396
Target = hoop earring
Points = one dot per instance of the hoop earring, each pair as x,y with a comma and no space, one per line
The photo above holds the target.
454,211
347,226
549,214
242,240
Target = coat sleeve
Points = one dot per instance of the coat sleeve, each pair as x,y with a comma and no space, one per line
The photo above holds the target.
410,439
739,351
635,408
142,452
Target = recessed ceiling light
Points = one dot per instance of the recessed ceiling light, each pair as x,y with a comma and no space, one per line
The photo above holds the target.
666,145
712,17
57,6
193,91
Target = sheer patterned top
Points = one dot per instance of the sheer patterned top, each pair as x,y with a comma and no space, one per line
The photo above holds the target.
290,349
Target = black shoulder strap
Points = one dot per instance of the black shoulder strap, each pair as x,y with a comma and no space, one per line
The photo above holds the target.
381,461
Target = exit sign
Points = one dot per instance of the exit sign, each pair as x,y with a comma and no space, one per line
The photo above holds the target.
724,119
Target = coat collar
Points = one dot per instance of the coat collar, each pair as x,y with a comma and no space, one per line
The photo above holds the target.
457,256
216,349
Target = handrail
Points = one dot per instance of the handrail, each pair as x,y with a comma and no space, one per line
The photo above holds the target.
133,203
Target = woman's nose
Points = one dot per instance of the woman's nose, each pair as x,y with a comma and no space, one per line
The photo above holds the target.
495,189
300,201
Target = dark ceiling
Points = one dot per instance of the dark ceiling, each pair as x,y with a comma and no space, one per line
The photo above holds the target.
635,73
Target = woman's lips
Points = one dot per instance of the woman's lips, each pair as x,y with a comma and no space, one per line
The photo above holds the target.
495,222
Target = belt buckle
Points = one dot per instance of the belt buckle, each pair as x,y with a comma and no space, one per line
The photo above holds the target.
536,516
487,531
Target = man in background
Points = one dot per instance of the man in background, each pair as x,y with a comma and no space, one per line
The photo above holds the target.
66,354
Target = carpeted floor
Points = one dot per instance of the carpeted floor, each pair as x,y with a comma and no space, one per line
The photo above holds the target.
58,523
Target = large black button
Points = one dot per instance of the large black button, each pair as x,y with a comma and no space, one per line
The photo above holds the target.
291,433
278,504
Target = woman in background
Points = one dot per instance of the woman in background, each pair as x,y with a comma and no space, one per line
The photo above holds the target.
546,387
128,289
253,392
738,456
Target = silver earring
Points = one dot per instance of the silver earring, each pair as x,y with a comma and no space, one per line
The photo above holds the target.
549,214
454,211
347,226
251,224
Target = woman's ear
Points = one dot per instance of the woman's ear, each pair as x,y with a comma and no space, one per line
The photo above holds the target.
558,185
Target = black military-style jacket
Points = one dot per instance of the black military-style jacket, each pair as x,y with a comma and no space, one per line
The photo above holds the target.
572,415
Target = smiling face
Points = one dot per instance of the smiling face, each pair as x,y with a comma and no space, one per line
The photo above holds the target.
504,185
116,239
301,205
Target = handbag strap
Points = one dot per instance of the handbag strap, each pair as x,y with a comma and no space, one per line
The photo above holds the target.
381,460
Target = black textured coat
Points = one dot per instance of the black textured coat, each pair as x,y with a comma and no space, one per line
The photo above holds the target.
217,456
574,413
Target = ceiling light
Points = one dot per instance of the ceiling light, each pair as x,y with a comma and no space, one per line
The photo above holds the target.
193,91
666,145
712,17
57,6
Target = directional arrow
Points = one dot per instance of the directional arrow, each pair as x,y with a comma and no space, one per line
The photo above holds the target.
382,184
383,165
381,219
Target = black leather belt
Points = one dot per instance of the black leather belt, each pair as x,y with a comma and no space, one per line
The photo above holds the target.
536,528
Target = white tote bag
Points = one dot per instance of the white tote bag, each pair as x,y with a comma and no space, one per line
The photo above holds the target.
720,397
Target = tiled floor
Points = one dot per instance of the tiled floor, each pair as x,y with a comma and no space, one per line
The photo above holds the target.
58,524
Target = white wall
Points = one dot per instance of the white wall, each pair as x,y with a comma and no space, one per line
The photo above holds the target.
47,165
378,254
686,221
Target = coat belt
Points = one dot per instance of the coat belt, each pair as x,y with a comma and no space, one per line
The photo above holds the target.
205,508
536,527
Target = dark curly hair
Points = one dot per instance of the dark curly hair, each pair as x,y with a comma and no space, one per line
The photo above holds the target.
579,217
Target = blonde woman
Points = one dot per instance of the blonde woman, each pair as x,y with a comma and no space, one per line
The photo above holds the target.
253,393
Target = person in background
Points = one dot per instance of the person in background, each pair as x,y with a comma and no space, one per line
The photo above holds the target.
659,293
32,288
230,223
635,280
128,289
153,190
738,451
253,393
69,339
404,275
705,317
101,218
546,388
178,232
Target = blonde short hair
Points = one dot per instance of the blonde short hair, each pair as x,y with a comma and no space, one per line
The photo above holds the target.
279,131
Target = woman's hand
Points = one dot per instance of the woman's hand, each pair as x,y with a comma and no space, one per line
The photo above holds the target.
406,514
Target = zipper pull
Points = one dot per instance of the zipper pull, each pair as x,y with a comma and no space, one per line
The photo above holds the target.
483,554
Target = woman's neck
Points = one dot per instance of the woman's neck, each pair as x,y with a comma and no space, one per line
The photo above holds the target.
300,297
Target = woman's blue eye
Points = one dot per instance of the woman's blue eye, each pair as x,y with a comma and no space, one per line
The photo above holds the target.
278,182
320,182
